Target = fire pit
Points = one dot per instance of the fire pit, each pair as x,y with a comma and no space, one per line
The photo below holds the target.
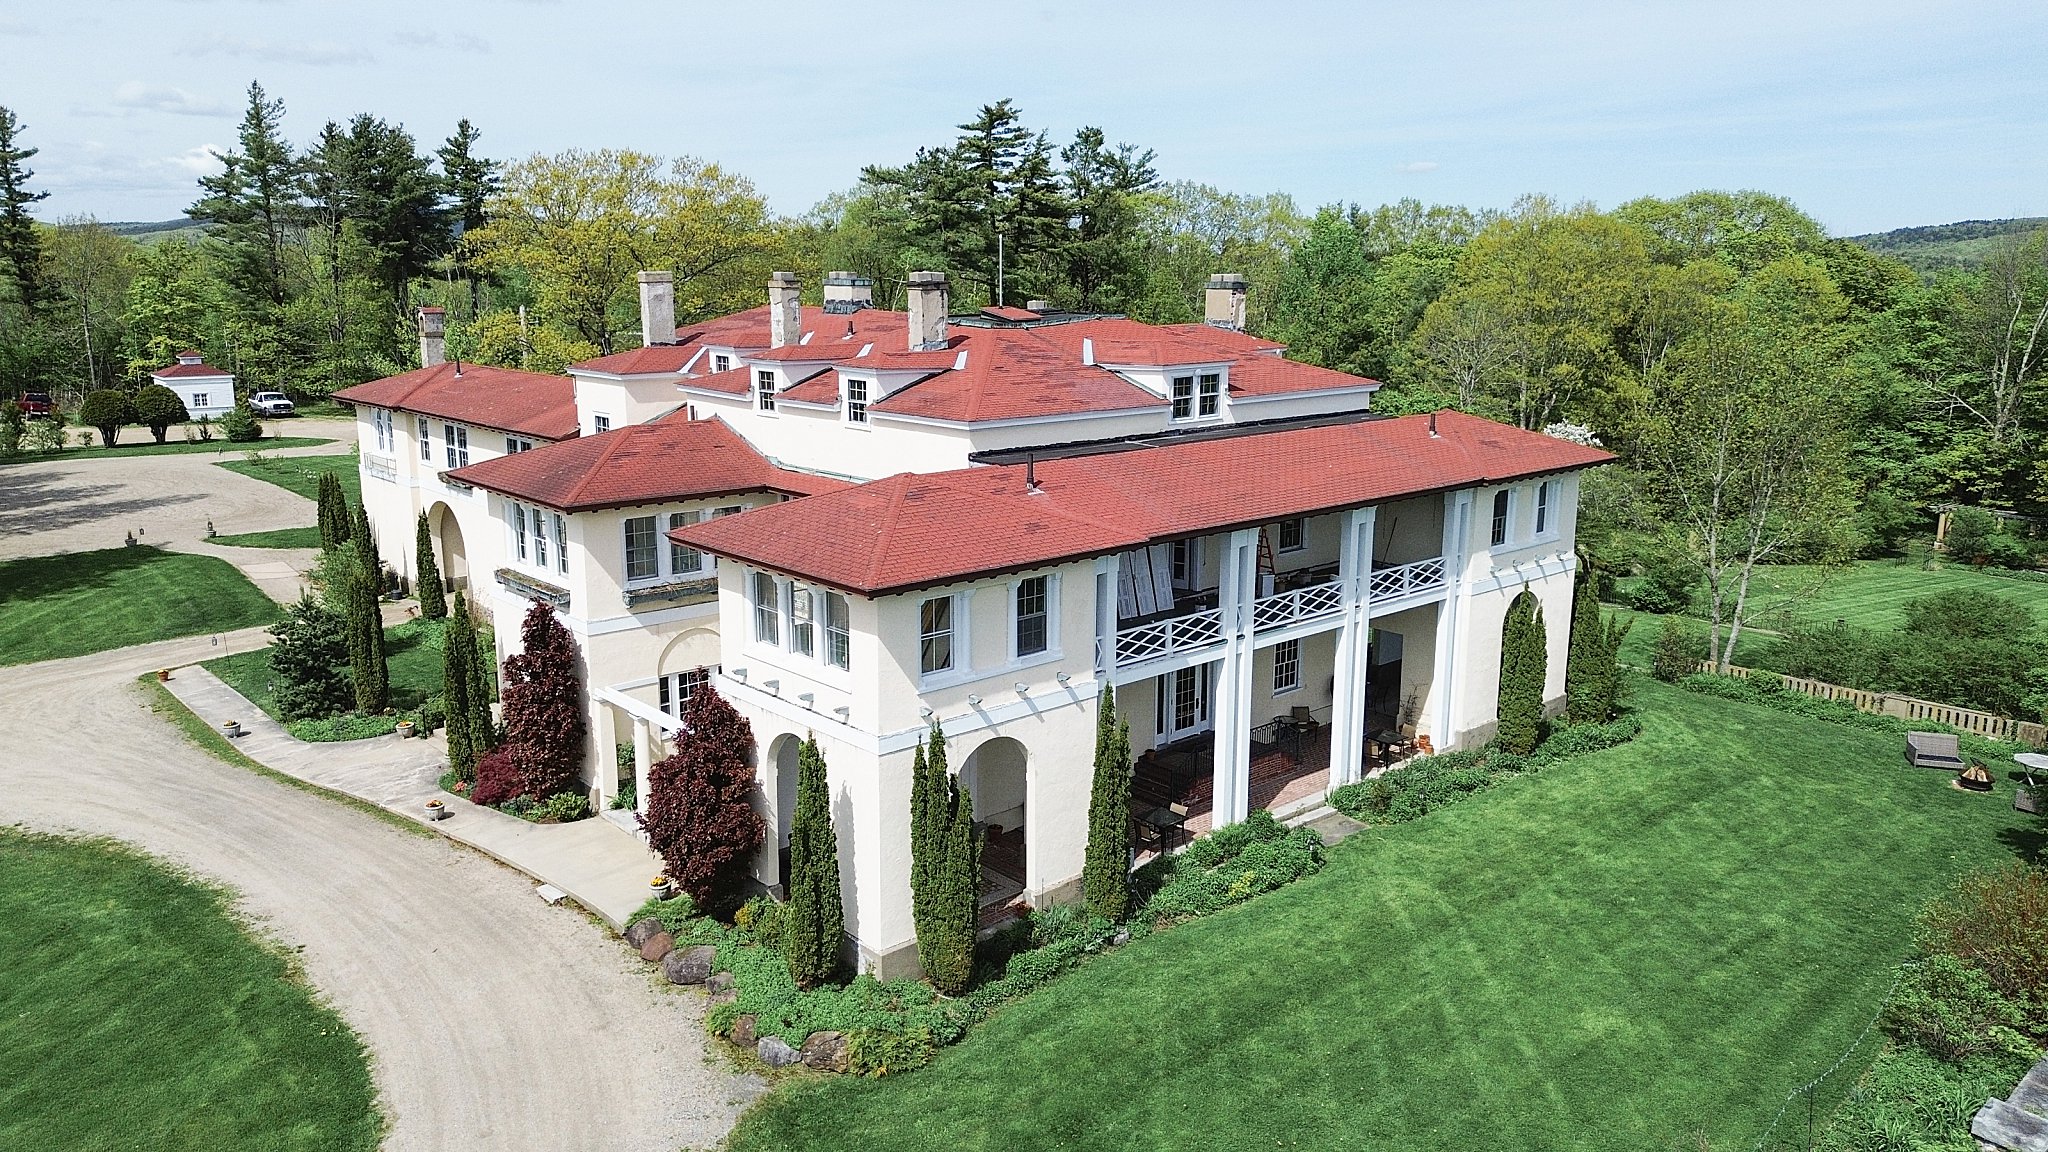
1976,778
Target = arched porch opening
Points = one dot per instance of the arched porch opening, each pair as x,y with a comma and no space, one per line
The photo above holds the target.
996,775
454,558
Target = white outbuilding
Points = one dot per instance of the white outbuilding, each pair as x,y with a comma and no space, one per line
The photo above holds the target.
206,390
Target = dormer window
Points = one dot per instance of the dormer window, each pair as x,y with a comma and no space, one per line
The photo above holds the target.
856,401
721,363
764,390
1197,395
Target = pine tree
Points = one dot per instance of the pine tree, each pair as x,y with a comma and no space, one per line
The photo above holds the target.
458,650
699,817
1106,875
543,694
433,602
813,922
310,658
252,204
470,182
21,246
333,512
1522,672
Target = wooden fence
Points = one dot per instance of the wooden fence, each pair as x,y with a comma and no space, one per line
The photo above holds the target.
1909,708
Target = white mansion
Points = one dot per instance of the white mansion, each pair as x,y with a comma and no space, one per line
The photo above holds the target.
857,522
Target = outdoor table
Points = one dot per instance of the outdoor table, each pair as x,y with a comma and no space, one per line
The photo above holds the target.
2023,799
1163,822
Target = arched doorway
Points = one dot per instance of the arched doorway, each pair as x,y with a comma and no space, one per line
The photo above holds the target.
447,532
994,775
778,791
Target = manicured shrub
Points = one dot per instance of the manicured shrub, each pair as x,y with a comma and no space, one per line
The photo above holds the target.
497,778
158,408
1680,647
1226,867
310,655
332,505
1419,787
759,920
433,602
1523,668
700,819
879,1052
1592,677
1106,874
543,696
813,922
239,424
106,410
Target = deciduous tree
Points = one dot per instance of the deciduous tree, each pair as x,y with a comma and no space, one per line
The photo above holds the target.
158,408
543,694
700,816
106,410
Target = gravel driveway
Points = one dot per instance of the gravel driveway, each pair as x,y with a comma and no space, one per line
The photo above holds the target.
494,1020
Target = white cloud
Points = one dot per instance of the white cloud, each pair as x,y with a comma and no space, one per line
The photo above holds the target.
449,41
201,161
314,52
163,98
1417,166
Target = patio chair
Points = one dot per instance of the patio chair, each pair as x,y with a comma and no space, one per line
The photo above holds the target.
1933,750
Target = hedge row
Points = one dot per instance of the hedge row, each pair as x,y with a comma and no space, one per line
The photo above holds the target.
1422,786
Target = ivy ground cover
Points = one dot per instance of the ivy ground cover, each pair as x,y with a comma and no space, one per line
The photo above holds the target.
1640,948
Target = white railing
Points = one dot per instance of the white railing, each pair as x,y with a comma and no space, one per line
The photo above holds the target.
1165,637
1408,579
1284,608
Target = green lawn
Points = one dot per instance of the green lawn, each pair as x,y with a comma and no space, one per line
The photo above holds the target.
1642,949
1867,593
135,1012
301,474
1640,645
168,448
55,606
277,538
412,652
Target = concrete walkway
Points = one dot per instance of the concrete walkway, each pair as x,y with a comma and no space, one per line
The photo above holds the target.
598,864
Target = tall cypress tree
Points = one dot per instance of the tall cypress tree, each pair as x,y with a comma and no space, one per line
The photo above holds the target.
1522,671
333,513
458,650
1106,876
1583,690
959,905
366,620
813,921
433,602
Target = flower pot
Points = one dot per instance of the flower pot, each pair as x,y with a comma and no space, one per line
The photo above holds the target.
436,809
405,728
163,674
231,728
661,887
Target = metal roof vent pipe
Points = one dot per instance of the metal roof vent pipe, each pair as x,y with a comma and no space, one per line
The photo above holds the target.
1432,425
1031,475
785,315
929,301
657,308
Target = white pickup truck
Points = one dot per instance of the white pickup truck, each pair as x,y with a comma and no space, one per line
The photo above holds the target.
271,404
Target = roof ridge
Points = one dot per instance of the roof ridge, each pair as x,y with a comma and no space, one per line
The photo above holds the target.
895,512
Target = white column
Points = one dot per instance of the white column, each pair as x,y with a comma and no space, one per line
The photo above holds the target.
604,752
643,759
1237,590
1457,529
1348,710
1108,570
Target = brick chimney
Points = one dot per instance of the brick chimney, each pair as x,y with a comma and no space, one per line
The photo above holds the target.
657,308
929,301
433,342
1223,302
785,315
847,293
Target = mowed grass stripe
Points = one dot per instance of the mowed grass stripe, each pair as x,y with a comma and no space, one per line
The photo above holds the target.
71,605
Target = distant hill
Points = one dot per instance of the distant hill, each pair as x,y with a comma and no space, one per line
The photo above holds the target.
153,231
1932,247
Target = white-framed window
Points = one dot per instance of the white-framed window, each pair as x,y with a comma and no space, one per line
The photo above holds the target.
767,597
678,687
1499,533
803,631
540,538
643,556
517,444
519,530
1544,515
764,390
856,401
426,437
838,631
935,635
199,400
720,362
455,438
1210,397
561,543
1183,396
600,422
1184,562
1033,632
1293,534
380,419
684,560
1286,666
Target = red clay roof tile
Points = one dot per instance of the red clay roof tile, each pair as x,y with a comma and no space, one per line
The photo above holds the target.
531,403
666,460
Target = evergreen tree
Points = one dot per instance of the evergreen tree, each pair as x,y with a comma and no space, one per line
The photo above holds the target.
1584,694
251,206
483,730
157,408
21,246
700,818
364,623
543,693
469,182
945,869
458,652
928,793
332,505
310,656
813,922
1522,671
433,602
1106,874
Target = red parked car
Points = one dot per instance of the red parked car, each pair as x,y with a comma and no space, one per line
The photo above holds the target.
37,405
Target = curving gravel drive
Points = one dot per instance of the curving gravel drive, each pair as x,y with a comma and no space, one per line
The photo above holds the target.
494,1021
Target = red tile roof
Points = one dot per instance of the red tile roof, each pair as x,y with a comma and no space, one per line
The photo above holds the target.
175,370
749,330
531,403
908,531
732,381
820,388
670,459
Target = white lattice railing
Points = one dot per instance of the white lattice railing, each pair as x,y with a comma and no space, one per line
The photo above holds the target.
1284,608
1408,579
1165,637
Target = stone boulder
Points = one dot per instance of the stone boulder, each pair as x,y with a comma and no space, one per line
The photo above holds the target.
688,965
775,1052
719,983
742,1032
658,945
640,931
724,996
824,1051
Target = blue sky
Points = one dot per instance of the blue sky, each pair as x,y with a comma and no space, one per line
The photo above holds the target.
1871,115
